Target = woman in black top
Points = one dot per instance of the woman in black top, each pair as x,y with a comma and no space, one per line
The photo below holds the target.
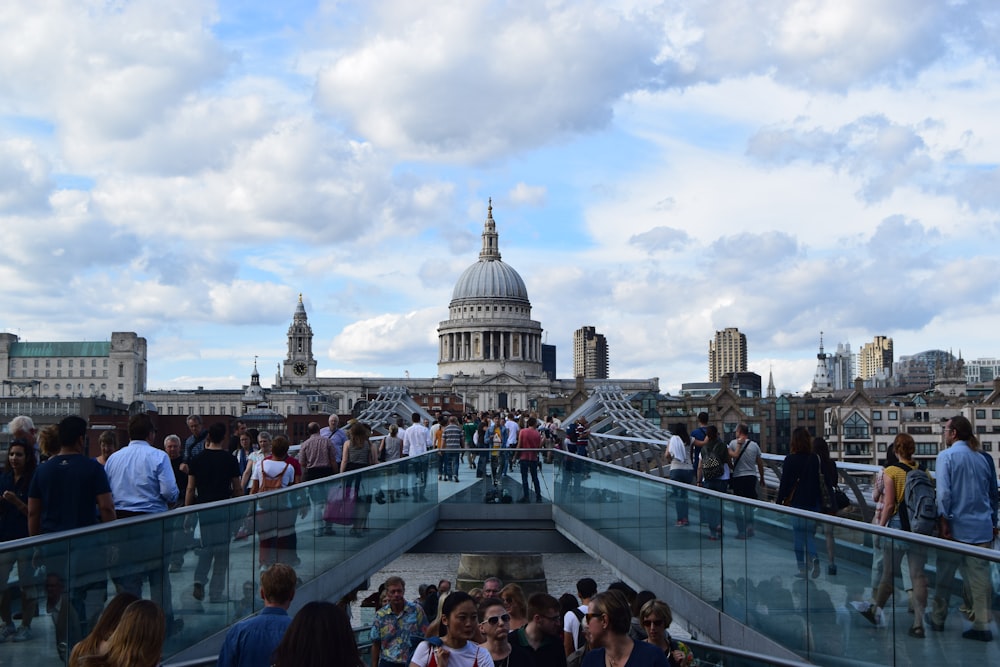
829,469
799,488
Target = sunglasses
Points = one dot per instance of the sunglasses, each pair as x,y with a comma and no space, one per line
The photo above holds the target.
653,623
493,620
596,614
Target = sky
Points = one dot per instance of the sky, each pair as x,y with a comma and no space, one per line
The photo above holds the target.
658,170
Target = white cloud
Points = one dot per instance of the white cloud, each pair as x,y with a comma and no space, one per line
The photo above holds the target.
391,340
472,80
25,180
524,194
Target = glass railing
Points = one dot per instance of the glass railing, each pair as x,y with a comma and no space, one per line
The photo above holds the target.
778,580
313,527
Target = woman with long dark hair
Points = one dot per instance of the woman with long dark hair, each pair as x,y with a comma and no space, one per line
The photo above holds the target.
799,488
681,469
829,468
320,636
14,484
454,647
713,473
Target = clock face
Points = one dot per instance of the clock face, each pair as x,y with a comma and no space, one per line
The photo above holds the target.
299,368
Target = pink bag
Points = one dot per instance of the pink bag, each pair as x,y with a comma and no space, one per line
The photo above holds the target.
340,502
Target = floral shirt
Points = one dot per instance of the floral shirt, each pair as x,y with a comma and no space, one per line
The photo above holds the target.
394,632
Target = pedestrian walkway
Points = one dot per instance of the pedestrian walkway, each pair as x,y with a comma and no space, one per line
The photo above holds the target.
732,589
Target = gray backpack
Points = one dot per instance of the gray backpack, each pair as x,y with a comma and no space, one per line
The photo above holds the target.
918,507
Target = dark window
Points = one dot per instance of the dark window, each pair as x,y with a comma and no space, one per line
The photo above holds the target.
856,427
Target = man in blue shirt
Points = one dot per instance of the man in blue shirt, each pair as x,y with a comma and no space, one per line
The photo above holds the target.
967,508
142,482
335,435
251,642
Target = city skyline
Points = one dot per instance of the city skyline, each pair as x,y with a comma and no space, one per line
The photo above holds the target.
659,170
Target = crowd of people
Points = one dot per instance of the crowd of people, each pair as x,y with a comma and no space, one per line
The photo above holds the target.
497,626
49,485
959,503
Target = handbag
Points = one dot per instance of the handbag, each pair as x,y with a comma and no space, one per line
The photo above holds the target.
826,503
841,499
339,508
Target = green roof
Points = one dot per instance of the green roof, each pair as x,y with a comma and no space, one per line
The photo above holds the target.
67,349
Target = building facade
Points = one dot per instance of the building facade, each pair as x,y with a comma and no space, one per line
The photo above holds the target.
490,356
590,354
982,370
114,370
727,353
489,329
875,359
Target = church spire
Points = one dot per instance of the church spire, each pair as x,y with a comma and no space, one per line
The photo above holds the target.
491,241
821,385
771,392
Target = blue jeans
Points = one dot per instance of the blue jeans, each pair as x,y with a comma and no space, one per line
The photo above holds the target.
803,540
712,507
680,495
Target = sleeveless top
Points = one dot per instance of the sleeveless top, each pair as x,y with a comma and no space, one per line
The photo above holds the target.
357,455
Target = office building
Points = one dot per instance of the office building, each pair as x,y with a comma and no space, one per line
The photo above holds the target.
875,359
727,353
590,354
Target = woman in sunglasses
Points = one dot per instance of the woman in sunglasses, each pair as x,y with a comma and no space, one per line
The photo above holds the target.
608,620
655,617
494,624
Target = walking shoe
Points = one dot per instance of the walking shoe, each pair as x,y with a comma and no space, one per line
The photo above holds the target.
199,591
978,635
7,632
831,569
750,531
917,632
23,634
929,622
869,615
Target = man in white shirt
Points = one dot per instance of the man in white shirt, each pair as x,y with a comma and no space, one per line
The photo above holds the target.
586,588
748,469
416,442
509,443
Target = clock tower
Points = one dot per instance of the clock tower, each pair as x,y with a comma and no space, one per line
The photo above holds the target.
299,366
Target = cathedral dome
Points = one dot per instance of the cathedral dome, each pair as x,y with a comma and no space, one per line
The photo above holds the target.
490,278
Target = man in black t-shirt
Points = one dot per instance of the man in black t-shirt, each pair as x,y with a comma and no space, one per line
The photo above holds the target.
213,475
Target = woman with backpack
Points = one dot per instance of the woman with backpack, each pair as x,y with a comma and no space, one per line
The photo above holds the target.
713,473
893,551
275,515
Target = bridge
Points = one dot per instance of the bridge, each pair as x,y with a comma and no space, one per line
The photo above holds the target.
738,593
